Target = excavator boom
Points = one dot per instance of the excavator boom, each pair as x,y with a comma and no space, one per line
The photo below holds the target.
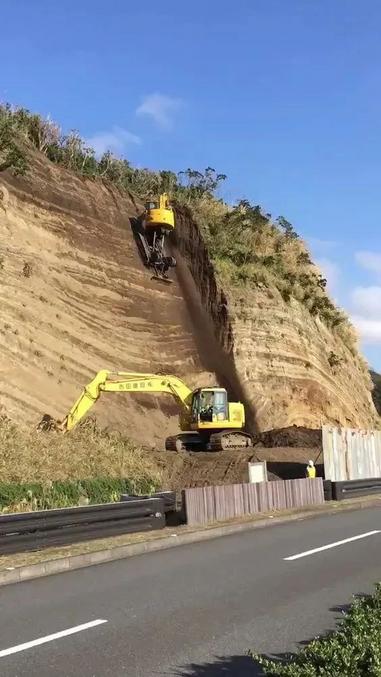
120,381
214,422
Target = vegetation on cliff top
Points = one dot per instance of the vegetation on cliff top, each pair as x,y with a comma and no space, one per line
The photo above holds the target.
247,247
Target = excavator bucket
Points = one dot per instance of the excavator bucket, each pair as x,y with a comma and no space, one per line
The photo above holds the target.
48,424
151,247
159,277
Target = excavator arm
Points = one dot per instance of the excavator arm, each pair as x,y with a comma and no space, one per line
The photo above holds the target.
120,381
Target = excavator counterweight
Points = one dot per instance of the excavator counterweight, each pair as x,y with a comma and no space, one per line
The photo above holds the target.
208,419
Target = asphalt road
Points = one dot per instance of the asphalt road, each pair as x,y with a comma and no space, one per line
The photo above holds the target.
192,610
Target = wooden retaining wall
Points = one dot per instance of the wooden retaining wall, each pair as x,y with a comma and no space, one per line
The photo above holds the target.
212,504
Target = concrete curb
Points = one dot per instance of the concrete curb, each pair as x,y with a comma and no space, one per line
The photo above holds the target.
72,562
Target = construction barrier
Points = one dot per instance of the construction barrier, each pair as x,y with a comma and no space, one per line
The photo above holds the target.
351,454
212,504
353,488
47,528
327,486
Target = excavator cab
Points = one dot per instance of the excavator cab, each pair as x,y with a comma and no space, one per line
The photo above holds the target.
159,214
210,405
218,422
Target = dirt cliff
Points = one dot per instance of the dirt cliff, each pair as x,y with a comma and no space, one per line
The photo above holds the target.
75,297
290,367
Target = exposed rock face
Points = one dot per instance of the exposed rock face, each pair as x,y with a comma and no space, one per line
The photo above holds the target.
280,354
75,298
376,379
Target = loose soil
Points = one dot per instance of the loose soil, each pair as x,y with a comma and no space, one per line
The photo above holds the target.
181,470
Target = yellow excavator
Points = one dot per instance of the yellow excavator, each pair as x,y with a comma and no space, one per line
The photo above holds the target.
157,221
209,421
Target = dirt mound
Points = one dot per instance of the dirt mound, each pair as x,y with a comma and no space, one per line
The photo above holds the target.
293,436
181,470
198,469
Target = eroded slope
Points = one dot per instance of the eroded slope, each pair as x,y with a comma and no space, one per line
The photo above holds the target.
75,298
291,368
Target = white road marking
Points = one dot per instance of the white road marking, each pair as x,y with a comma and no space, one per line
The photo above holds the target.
331,545
50,638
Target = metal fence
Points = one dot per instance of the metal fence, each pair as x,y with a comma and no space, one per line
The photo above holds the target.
351,454
212,504
61,526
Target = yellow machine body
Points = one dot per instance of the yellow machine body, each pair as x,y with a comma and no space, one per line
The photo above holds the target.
159,214
208,408
205,412
211,410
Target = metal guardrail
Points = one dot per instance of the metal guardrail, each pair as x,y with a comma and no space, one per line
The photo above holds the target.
169,498
46,528
352,488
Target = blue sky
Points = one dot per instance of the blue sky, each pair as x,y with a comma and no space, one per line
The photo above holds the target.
282,96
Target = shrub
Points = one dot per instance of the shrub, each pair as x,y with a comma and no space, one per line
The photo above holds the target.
23,497
353,650
12,155
334,360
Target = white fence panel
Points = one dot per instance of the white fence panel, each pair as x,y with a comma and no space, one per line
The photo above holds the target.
351,454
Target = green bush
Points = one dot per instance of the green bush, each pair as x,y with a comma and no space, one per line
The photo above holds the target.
60,494
353,650
12,156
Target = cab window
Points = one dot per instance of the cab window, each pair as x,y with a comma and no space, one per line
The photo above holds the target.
209,405
220,405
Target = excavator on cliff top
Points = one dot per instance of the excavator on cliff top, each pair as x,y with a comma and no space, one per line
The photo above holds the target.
209,421
154,225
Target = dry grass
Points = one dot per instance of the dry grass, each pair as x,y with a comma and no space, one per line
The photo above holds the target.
86,452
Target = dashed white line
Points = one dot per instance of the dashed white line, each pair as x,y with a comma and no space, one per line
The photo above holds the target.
331,545
51,638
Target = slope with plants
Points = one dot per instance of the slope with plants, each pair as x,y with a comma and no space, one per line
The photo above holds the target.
286,349
296,353
75,296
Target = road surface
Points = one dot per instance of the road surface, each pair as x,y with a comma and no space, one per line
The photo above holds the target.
192,610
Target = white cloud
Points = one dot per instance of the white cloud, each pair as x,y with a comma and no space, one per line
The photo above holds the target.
370,330
367,301
160,108
330,270
116,140
367,313
369,260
